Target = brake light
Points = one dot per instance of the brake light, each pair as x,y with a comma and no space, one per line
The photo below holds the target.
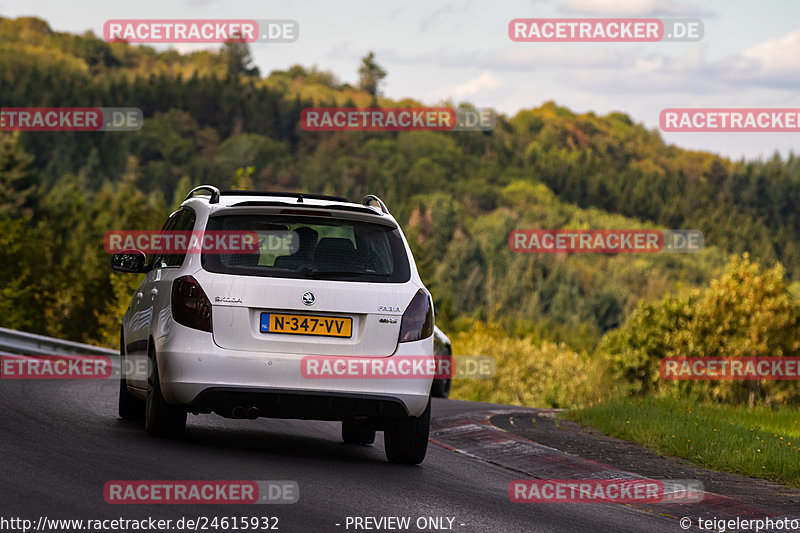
418,319
190,305
304,212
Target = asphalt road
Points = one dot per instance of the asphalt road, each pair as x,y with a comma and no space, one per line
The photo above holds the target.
61,441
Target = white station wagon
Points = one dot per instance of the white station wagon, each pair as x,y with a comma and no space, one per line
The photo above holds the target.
227,332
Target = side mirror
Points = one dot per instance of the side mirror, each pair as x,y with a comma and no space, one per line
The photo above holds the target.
131,261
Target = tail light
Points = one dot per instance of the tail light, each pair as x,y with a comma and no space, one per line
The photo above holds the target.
190,305
418,319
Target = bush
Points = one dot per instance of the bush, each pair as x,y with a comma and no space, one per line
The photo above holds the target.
529,373
748,312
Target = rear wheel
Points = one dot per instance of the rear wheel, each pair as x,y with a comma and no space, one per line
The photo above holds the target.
161,418
129,407
441,387
357,432
406,440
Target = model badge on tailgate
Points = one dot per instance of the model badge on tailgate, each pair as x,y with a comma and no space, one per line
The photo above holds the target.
228,300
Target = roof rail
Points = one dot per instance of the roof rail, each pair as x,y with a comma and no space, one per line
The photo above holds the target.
368,199
335,207
210,188
298,195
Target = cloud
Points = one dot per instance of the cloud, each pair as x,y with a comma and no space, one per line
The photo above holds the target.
483,82
652,74
773,62
631,69
520,58
631,8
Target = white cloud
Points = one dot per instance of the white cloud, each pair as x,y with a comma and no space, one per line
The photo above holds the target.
773,64
653,74
520,58
631,8
776,61
486,81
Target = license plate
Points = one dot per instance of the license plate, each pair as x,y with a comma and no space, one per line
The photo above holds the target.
306,325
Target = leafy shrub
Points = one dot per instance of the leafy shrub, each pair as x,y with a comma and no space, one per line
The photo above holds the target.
529,373
748,312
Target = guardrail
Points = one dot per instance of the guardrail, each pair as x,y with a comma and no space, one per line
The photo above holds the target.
22,343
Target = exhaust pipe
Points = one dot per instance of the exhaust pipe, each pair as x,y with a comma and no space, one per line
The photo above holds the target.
237,412
253,413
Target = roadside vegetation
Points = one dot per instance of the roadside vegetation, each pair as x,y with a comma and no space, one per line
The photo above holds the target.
746,427
761,442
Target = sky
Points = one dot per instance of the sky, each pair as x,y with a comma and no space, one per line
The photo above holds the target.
435,50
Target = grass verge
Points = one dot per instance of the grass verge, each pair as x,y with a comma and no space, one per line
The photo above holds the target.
756,442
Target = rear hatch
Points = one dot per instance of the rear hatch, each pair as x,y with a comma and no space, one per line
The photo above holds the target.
318,285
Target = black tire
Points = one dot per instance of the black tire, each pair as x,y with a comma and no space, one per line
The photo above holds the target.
130,407
406,440
161,419
441,388
357,432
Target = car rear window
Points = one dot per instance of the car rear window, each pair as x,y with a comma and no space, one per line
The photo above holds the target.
312,247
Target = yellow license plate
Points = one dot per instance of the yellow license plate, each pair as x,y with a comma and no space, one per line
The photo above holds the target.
306,325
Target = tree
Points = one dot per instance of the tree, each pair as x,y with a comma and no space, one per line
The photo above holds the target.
238,59
17,188
370,76
243,180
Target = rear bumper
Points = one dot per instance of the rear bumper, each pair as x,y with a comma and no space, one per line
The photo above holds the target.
197,373
276,403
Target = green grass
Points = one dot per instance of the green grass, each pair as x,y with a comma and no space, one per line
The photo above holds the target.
757,442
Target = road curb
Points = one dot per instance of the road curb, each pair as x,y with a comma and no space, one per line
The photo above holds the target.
474,435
